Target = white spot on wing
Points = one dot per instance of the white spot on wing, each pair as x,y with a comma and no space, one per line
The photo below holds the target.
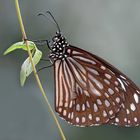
116,83
77,119
75,52
107,75
125,119
71,103
83,119
90,116
87,104
99,102
69,115
95,107
83,107
123,77
104,113
138,91
97,119
72,115
136,97
107,103
133,107
106,95
127,111
103,68
111,91
135,119
78,107
123,105
66,104
129,121
60,109
122,85
118,100
117,120
86,93
68,50
116,89
111,112
64,112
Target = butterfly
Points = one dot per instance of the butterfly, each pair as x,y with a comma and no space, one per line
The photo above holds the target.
88,90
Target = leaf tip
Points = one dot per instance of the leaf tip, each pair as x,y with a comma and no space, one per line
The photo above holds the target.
5,53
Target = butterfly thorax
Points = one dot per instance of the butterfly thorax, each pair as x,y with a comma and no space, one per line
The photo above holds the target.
58,47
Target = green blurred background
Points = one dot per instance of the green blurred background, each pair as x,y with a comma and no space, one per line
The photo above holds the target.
110,29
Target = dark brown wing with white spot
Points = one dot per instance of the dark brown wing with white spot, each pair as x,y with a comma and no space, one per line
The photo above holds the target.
129,114
88,91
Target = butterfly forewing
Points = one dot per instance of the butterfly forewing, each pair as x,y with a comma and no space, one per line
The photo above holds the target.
89,91
129,114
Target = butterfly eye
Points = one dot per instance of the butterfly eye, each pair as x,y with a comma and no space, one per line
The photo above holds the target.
58,33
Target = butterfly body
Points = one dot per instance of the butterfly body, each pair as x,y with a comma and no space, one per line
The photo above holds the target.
90,91
58,47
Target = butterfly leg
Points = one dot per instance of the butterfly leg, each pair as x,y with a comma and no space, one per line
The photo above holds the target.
45,67
48,44
45,59
42,41
39,41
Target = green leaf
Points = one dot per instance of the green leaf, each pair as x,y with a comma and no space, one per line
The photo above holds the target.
26,68
20,45
23,72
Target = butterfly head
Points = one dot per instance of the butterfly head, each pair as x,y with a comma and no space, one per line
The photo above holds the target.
59,43
58,47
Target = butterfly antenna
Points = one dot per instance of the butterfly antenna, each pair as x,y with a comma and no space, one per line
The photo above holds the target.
54,20
42,14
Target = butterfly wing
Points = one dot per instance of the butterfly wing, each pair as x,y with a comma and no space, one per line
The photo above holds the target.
89,91
129,114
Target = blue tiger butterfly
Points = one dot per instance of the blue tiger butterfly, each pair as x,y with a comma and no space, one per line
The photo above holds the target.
90,91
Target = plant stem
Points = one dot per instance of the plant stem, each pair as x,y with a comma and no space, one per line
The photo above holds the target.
34,69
